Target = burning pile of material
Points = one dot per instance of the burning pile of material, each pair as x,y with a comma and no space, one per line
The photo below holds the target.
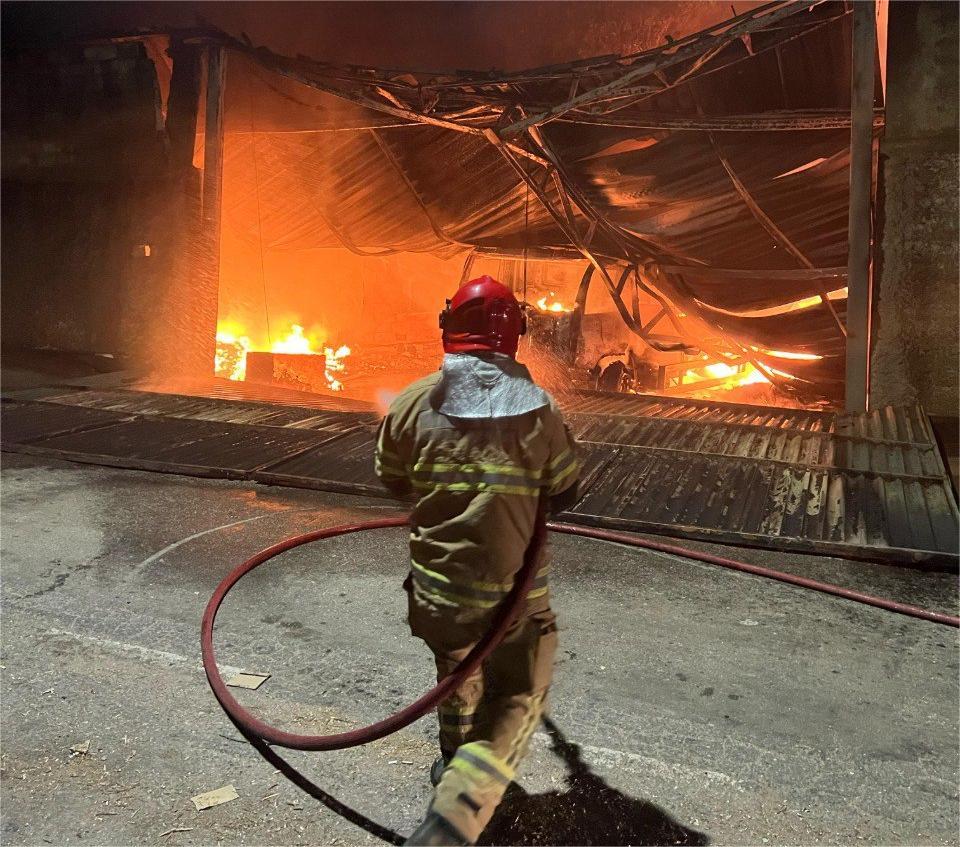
290,361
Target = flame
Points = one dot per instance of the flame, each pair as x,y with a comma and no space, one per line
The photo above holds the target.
335,364
555,306
733,376
230,360
294,342
785,354
793,306
232,348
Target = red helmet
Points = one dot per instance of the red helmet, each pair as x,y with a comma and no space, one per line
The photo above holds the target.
483,315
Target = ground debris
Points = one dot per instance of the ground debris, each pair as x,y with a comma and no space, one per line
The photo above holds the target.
251,681
215,798
81,748
175,829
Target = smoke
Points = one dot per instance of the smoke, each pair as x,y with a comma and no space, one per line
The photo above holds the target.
383,398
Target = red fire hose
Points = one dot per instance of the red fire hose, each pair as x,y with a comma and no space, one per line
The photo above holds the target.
261,735
504,615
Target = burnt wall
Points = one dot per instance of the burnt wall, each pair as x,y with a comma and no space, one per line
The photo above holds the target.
96,207
915,344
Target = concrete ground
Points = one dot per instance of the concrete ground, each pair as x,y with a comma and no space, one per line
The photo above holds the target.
691,705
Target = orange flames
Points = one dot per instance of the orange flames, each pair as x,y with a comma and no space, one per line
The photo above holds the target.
232,348
555,306
730,376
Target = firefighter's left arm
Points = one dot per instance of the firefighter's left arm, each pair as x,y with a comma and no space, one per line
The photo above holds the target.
389,462
562,471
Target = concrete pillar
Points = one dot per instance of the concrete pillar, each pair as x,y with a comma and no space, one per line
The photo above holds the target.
915,339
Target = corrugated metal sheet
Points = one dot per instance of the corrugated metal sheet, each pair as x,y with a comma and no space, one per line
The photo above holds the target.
870,486
647,405
216,409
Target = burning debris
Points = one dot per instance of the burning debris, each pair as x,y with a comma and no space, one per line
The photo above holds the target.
291,361
230,361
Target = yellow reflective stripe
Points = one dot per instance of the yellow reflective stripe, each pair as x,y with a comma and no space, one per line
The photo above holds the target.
450,707
481,586
573,466
558,459
389,462
480,764
472,602
393,470
428,580
455,599
479,485
477,468
476,595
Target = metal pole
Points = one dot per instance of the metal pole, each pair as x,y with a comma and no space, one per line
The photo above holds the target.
861,188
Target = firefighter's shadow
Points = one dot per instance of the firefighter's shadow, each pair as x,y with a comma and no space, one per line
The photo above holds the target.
588,811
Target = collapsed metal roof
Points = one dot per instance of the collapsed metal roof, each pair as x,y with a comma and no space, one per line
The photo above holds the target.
716,165
861,485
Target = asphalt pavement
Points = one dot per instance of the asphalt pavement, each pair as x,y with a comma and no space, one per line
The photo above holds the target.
691,705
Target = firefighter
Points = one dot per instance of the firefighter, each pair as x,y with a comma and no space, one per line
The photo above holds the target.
478,444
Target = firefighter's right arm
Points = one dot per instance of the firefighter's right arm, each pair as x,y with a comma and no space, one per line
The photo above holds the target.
562,471
390,462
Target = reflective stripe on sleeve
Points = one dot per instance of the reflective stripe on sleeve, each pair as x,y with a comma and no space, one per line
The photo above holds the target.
388,463
562,467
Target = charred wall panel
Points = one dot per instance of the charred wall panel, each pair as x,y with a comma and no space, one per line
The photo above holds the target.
96,201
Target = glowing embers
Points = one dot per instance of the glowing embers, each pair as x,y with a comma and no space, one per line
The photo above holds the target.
555,306
295,360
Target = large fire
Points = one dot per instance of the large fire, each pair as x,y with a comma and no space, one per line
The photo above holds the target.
232,348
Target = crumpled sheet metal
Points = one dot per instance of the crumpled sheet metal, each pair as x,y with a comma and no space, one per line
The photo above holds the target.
336,179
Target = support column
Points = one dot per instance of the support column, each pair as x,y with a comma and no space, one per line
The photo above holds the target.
915,338
861,189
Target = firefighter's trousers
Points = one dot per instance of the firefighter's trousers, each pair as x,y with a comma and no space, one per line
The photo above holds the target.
486,725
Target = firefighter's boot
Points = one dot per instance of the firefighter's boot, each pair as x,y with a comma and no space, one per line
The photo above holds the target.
437,768
436,830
